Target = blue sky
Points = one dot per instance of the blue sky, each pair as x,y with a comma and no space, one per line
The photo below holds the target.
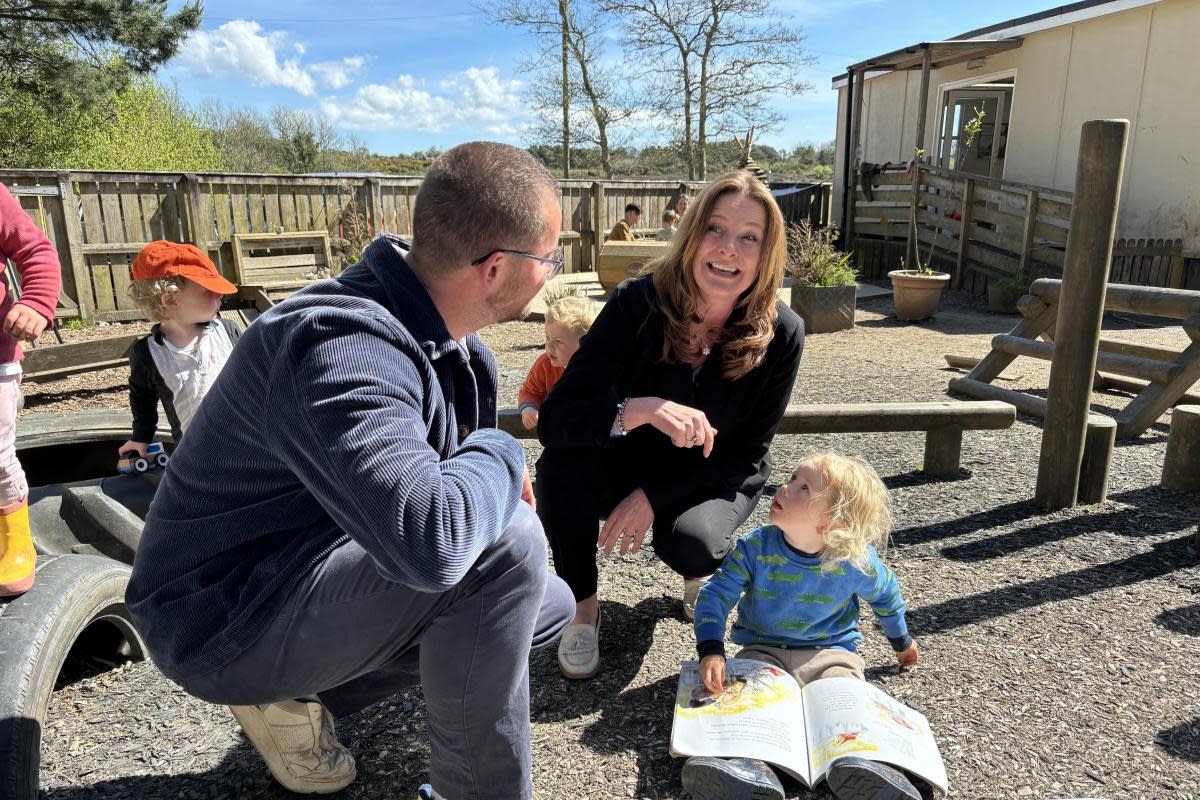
403,76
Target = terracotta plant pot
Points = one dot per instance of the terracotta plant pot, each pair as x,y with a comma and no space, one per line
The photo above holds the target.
824,308
916,295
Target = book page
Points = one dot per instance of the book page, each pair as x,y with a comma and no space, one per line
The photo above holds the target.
849,717
759,715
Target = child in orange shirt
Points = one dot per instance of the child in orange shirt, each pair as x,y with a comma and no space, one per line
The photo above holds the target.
567,320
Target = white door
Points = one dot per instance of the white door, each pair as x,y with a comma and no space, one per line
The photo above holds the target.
985,156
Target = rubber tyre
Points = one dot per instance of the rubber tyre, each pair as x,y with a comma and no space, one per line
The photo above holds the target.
141,465
162,459
37,631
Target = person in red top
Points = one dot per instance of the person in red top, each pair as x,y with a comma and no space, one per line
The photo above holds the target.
23,243
567,320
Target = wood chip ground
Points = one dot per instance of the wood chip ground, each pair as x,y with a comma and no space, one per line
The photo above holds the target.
1060,652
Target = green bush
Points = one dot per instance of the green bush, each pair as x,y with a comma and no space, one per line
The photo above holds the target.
812,260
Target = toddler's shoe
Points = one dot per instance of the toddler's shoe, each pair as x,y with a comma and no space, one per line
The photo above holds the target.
710,778
854,778
579,651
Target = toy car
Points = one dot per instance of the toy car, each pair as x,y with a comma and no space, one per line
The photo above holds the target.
155,458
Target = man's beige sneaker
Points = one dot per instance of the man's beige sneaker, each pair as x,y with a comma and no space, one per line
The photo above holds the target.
297,740
691,590
579,651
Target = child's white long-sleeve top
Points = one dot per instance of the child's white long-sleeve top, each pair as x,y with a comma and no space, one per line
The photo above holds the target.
784,599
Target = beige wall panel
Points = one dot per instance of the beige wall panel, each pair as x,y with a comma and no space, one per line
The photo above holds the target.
1161,198
1104,80
1038,96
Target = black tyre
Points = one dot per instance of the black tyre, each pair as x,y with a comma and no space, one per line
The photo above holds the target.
141,465
162,459
73,595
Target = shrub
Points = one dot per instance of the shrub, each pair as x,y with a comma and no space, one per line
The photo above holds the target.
812,260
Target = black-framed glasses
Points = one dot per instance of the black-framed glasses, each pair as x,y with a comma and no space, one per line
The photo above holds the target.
557,258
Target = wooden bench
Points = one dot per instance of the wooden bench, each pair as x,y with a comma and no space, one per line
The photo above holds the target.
272,266
943,422
53,362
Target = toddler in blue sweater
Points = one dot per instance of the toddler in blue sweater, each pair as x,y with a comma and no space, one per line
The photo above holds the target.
796,584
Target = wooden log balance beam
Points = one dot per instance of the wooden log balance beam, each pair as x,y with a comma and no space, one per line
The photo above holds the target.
943,423
1148,300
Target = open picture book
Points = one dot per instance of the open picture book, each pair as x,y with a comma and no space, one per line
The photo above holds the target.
763,713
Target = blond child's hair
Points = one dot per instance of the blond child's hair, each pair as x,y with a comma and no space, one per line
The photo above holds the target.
669,217
148,294
574,313
859,511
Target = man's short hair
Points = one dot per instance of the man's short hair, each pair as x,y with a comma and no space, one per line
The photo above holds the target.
635,208
477,198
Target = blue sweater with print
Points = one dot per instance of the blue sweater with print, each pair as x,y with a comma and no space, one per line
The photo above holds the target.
784,599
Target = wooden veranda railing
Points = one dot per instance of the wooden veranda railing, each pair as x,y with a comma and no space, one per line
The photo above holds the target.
980,229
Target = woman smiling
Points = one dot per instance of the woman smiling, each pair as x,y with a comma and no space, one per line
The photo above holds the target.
664,417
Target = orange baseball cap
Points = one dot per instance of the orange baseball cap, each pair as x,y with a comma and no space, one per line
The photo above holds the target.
163,259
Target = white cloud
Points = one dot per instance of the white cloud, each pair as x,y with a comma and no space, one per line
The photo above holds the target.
241,49
474,97
337,74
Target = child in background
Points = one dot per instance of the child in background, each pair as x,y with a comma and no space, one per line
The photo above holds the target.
796,584
669,222
567,320
23,243
178,287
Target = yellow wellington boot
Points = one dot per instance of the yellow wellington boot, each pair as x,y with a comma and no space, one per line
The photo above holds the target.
17,557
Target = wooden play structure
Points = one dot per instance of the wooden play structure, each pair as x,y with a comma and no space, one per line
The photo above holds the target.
942,421
1160,377
270,267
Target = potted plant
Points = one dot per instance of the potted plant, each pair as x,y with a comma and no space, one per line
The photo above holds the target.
917,292
824,283
1004,293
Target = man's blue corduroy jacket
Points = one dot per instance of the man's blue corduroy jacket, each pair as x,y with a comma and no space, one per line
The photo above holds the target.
347,411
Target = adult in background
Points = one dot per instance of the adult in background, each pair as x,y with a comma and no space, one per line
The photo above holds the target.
664,417
343,520
623,230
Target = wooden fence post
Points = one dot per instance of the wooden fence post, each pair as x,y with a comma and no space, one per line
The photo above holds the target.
968,200
1098,174
600,233
1032,199
83,284
188,187
375,211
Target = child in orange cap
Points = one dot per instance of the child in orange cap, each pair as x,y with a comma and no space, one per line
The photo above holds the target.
179,288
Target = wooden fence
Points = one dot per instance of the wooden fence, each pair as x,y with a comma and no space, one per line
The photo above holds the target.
98,221
980,229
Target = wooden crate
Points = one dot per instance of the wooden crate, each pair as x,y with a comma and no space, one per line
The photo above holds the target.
621,260
271,266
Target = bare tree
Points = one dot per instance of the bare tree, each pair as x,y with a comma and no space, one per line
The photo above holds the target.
308,141
580,89
726,58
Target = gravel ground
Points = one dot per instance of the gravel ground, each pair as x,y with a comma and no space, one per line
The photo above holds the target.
1060,652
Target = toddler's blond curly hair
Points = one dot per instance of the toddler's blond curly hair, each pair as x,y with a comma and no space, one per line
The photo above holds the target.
859,509
148,294
574,313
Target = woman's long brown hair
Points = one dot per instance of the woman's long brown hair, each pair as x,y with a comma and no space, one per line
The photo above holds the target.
751,325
